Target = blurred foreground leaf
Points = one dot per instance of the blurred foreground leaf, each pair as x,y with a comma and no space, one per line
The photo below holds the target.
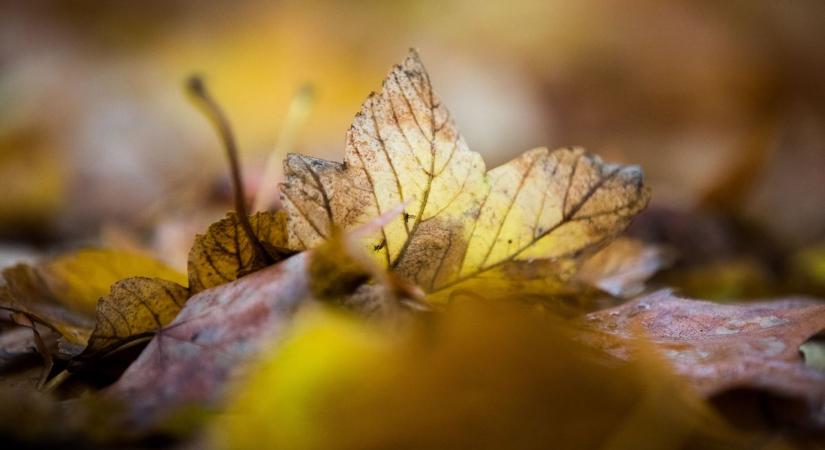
478,377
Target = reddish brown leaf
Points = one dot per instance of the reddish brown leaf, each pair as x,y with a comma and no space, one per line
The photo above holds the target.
188,362
723,347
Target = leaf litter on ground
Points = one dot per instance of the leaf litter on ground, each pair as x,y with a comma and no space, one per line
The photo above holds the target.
411,220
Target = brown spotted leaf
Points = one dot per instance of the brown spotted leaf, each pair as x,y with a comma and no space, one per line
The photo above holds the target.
225,252
462,223
135,307
723,347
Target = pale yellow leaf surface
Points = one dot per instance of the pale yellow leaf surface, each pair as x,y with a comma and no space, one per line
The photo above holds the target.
462,222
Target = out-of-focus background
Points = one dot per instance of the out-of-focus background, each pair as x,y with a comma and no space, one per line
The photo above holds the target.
722,103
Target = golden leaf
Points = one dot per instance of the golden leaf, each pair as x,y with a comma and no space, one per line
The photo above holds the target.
63,292
135,307
225,253
462,222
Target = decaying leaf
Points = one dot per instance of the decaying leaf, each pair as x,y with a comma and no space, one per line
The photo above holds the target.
135,307
72,326
723,347
189,360
518,224
225,253
622,268
63,292
20,367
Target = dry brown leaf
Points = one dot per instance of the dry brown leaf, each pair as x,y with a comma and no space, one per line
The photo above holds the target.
723,347
135,307
225,253
62,293
26,294
517,224
622,268
20,367
17,342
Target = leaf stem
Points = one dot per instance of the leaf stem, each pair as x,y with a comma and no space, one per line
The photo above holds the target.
197,89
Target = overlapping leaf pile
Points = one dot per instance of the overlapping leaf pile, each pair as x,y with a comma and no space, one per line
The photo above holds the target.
62,295
407,229
519,228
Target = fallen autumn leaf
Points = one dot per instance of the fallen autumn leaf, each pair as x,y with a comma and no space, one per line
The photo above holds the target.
463,224
724,347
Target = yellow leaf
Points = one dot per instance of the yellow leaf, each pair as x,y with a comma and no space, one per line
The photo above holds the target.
325,347
63,292
82,277
225,253
462,222
135,307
